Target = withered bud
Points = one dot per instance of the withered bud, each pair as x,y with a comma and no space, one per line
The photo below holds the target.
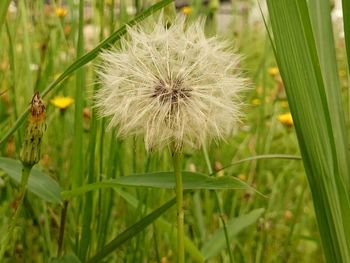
30,153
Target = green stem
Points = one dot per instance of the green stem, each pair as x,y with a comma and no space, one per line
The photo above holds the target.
218,204
23,187
179,207
62,227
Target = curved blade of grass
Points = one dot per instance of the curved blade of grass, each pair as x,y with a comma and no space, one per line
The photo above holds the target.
320,14
163,180
235,225
131,232
87,58
39,184
260,157
299,64
4,5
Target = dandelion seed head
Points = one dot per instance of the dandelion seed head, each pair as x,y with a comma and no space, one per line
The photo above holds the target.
170,85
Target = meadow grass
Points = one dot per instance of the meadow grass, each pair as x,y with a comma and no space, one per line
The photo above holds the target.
51,52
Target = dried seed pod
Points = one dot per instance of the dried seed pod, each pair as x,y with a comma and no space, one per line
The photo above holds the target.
30,153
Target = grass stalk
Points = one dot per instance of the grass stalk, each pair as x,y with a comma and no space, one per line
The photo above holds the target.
62,228
23,187
218,205
177,156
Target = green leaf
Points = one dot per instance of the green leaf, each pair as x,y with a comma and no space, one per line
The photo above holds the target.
131,231
303,65
39,184
163,180
69,258
191,180
346,22
4,4
165,227
235,225
87,58
320,14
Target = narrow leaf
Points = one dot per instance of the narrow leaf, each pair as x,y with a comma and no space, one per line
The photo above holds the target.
69,258
131,231
165,227
163,180
301,70
235,225
346,21
39,184
4,4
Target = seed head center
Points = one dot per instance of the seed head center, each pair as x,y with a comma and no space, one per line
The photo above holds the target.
171,90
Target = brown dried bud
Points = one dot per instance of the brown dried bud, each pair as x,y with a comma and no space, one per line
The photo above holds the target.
30,153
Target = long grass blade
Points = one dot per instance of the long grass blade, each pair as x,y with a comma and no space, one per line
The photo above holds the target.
4,5
299,64
346,22
131,232
322,27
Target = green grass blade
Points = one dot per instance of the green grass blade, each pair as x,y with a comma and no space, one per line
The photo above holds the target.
165,227
346,22
4,5
300,69
69,258
163,180
320,14
39,184
86,59
131,232
78,167
216,243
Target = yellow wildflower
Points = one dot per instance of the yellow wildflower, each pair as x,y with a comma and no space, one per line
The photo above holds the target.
242,177
256,102
273,71
286,119
61,12
62,102
284,104
342,73
186,10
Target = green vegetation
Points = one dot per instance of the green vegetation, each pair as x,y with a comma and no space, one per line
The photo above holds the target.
277,190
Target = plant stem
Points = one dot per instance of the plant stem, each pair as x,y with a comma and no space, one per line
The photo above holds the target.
62,227
218,204
23,187
179,206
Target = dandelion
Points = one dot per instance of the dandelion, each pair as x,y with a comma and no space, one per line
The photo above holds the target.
61,12
256,102
186,10
273,71
174,87
171,85
286,119
62,102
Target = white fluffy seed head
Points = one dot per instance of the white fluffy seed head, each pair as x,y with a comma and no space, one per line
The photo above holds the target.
171,85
